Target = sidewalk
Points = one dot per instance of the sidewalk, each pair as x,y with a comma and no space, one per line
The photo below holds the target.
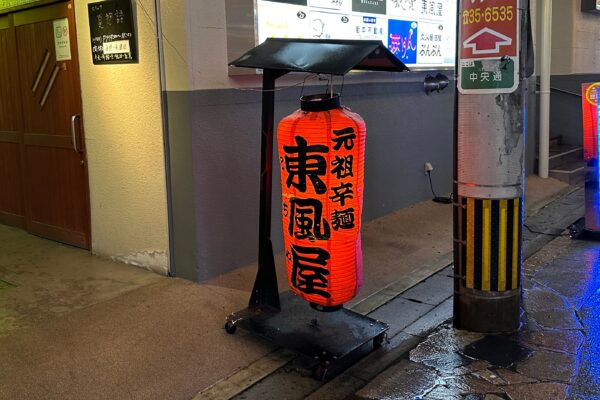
73,326
555,355
412,316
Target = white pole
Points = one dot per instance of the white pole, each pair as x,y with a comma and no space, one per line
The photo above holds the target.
545,62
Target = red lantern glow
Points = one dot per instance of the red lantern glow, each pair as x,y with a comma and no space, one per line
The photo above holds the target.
321,152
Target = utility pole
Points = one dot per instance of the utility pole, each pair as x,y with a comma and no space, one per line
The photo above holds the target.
489,150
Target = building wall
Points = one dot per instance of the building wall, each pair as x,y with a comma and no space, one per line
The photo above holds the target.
575,60
586,36
575,37
124,141
563,19
214,136
405,128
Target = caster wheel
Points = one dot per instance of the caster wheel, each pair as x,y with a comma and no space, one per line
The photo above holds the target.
230,327
574,232
319,372
378,341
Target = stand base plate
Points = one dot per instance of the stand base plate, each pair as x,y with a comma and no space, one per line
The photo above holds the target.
579,231
326,337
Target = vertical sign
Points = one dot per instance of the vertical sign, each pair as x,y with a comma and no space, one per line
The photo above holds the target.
62,44
112,30
589,104
321,155
489,46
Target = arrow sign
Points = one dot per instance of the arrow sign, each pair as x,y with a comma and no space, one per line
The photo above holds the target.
489,31
487,41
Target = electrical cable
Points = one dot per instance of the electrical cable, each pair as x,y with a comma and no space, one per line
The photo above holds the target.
436,198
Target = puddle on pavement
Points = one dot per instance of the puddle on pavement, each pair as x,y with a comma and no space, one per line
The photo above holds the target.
499,351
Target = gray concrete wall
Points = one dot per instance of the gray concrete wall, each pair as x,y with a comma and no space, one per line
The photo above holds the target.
405,128
184,257
215,161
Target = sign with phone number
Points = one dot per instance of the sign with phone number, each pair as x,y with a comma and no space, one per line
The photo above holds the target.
489,46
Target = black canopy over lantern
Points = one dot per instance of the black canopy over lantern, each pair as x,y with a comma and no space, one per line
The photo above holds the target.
289,322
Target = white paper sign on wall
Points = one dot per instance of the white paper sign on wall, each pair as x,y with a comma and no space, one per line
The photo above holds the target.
62,44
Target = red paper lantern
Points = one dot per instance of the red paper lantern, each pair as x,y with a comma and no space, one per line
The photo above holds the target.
321,152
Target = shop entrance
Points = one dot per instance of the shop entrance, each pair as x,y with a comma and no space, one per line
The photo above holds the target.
43,171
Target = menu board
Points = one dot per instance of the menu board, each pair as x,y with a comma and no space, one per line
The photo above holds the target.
421,33
113,33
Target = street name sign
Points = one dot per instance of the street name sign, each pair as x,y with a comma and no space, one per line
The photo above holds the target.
489,46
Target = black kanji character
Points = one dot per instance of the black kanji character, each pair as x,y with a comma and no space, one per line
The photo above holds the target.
305,220
342,192
343,219
344,137
305,165
309,274
342,166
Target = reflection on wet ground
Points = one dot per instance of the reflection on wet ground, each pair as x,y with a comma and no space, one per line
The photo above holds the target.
555,354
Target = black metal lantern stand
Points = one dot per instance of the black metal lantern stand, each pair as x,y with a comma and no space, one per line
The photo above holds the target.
288,321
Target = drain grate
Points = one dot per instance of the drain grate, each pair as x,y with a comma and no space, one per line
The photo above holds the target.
6,285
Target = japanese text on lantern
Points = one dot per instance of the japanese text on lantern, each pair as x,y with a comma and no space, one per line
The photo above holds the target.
321,155
308,168
305,164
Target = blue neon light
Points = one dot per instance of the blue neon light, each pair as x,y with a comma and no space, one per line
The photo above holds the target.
598,139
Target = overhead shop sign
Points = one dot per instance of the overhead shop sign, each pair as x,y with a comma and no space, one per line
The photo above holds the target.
421,33
489,46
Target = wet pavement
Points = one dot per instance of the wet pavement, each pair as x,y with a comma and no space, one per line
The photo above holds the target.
555,354
424,358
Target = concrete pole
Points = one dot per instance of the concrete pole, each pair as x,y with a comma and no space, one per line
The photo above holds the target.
545,65
489,186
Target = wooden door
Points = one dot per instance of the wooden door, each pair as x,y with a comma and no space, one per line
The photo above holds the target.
12,208
54,172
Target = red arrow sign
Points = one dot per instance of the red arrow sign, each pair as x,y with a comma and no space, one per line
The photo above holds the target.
487,41
488,29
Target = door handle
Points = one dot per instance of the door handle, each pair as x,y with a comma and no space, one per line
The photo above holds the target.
74,118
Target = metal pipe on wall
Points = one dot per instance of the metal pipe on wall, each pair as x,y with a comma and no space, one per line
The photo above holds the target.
166,143
545,71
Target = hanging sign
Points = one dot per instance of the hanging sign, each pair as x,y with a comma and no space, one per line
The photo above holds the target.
489,46
112,30
589,107
62,44
321,153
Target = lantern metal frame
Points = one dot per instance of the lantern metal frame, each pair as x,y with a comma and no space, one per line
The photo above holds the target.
330,339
